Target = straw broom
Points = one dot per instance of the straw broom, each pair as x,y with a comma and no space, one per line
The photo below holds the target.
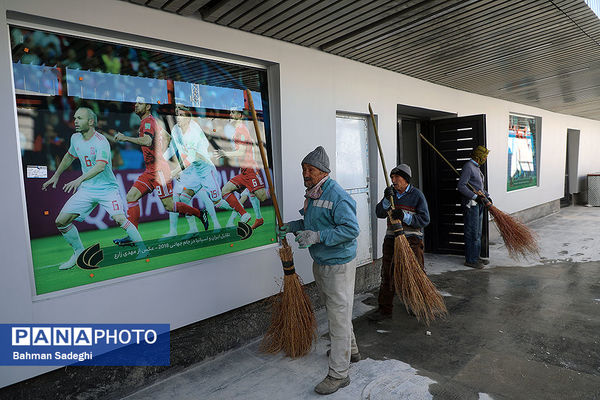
520,241
293,325
410,281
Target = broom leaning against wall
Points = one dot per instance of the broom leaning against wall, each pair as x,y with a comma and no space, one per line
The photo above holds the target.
329,229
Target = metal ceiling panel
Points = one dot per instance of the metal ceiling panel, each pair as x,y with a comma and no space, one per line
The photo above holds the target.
346,23
174,5
544,53
238,12
157,3
192,7
213,11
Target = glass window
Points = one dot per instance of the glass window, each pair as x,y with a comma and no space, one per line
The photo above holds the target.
351,151
149,154
523,134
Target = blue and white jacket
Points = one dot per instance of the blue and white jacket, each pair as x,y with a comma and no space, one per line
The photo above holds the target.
333,215
471,173
416,213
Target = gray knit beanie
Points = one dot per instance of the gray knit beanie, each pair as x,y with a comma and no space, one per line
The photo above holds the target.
403,170
318,158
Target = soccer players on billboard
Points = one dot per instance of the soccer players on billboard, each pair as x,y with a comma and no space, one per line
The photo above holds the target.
157,175
126,121
96,185
249,177
195,173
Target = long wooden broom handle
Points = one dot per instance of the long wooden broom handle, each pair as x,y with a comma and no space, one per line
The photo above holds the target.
451,166
440,154
385,174
263,155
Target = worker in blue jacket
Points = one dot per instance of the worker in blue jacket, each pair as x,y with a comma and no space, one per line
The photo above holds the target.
410,207
329,229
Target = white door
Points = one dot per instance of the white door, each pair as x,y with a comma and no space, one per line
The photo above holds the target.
352,173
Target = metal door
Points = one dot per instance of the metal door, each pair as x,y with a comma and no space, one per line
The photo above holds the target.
352,173
455,138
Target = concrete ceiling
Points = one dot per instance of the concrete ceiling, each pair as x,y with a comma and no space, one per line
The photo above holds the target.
543,53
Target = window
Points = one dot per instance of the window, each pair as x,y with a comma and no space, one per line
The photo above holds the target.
523,137
167,132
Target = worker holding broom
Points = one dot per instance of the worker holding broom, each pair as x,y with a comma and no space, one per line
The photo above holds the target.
410,207
473,202
329,229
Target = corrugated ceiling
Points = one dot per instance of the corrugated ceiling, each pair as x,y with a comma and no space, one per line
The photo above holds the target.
544,53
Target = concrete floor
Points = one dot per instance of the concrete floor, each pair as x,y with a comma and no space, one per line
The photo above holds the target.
525,329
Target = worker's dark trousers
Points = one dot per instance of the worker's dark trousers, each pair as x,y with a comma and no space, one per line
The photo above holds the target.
473,222
386,290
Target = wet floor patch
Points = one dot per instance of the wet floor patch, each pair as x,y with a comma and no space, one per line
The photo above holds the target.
509,331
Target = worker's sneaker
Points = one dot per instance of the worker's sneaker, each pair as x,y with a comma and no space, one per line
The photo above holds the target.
331,385
484,261
379,316
476,265
354,357
258,222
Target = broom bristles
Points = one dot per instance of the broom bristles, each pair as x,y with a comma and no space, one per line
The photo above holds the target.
293,325
520,241
417,291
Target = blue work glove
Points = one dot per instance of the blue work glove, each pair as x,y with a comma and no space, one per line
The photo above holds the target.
283,230
307,238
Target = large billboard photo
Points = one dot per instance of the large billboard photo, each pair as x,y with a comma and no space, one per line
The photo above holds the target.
135,159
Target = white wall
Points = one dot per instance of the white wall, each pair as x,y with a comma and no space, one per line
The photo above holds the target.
313,86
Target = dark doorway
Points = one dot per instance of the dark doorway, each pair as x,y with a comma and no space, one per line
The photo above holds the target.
565,201
456,137
411,122
571,163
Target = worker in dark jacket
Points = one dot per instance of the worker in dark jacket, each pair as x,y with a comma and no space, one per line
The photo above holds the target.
410,207
470,186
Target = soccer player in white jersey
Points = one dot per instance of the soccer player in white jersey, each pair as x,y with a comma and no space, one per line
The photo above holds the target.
199,175
96,185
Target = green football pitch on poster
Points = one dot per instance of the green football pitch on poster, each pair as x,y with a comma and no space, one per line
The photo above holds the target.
50,252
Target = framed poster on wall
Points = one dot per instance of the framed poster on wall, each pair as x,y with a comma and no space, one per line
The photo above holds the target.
523,136
135,159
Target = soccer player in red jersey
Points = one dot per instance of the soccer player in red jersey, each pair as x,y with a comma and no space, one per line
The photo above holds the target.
249,176
157,175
